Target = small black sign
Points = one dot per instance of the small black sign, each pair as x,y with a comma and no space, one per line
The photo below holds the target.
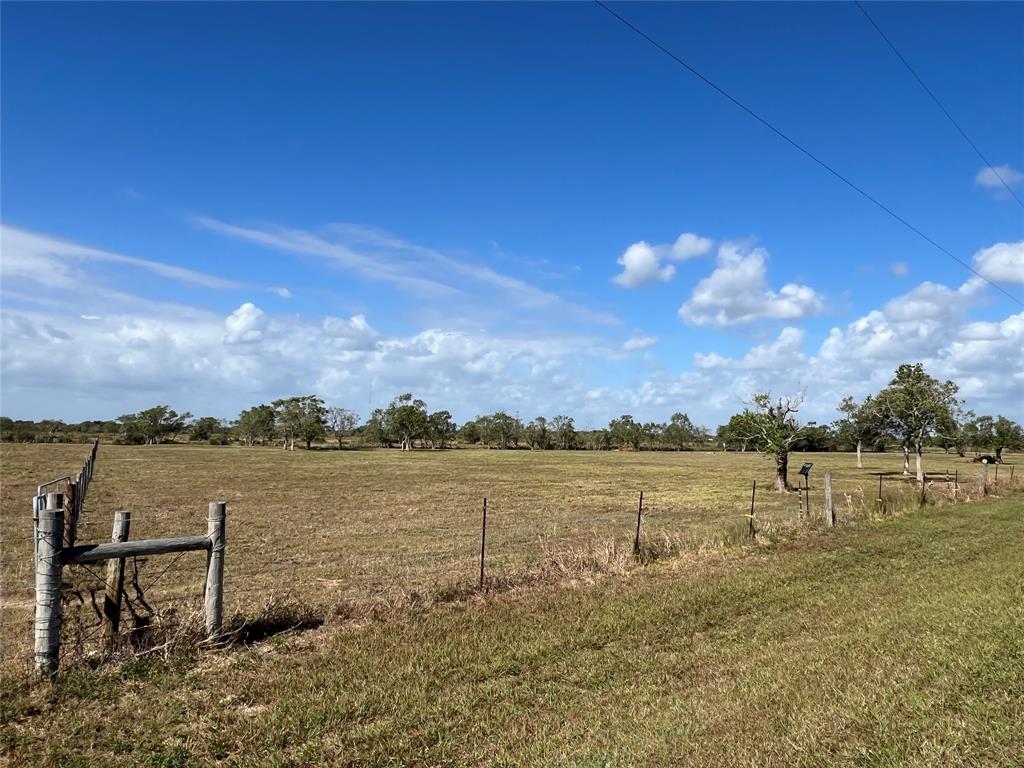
805,470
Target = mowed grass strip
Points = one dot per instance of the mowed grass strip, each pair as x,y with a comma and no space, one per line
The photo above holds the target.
899,643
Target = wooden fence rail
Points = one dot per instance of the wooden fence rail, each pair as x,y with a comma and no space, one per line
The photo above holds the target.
52,555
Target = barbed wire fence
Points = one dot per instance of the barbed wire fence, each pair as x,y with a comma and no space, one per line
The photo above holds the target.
144,604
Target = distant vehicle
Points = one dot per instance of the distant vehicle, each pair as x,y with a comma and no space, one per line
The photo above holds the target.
986,459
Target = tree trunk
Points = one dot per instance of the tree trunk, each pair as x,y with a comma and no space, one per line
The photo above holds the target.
906,459
860,460
309,444
917,458
782,471
999,455
339,443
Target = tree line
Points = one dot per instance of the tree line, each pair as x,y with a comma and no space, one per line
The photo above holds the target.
913,412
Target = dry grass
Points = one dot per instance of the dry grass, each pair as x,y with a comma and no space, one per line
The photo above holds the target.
896,643
364,532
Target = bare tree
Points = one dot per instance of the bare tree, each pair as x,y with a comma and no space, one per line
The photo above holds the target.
341,422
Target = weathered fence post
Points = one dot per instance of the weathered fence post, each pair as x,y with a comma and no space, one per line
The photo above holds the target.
830,511
636,541
49,543
956,480
70,518
483,543
214,608
751,531
115,584
881,502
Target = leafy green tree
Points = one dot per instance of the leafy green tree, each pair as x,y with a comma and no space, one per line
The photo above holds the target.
153,425
374,431
537,434
501,430
564,430
913,405
299,418
771,427
204,428
680,432
625,432
406,420
341,422
733,435
863,423
1006,435
441,429
256,425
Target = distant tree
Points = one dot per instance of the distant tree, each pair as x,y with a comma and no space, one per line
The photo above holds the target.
1006,435
51,431
153,425
374,431
470,432
256,425
341,422
913,405
299,418
771,427
537,434
862,423
204,428
680,432
734,434
501,430
406,420
441,429
625,432
564,430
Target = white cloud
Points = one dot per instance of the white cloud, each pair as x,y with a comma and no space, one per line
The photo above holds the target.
1002,262
283,292
639,342
51,261
993,177
784,352
423,272
736,292
641,265
245,324
689,246
642,262
899,268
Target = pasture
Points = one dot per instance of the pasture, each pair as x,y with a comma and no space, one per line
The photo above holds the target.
351,531
886,642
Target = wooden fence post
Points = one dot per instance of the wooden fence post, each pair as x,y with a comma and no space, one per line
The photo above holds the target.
115,584
214,607
751,531
49,543
830,511
70,519
483,543
639,512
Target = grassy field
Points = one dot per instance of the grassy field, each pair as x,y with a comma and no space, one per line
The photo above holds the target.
347,530
890,643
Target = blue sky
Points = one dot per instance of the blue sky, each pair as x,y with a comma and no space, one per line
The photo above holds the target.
220,204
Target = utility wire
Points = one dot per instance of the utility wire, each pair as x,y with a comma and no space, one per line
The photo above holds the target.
802,150
937,102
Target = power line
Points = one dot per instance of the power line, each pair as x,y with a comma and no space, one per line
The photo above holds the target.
803,150
937,102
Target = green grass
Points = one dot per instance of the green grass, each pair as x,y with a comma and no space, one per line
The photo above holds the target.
892,643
